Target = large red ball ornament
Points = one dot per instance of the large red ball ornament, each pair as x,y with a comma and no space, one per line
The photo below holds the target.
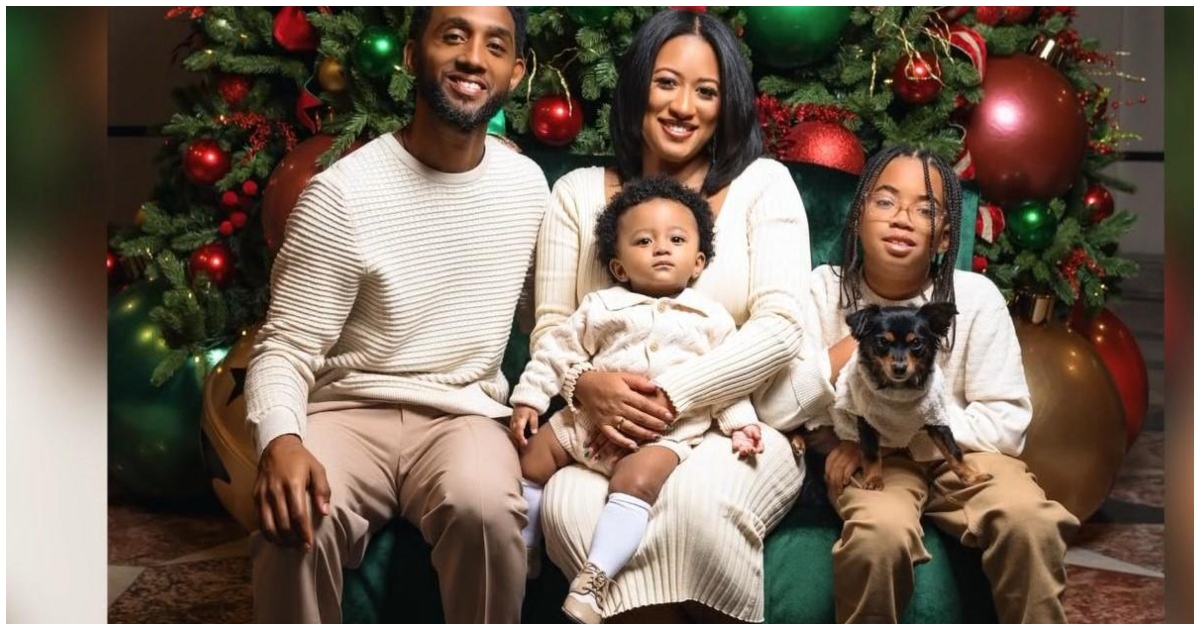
1119,351
827,144
1028,135
287,181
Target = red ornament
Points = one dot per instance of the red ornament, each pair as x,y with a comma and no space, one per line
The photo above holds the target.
225,228
555,120
294,32
213,260
979,264
1028,135
827,144
249,188
992,16
230,200
989,222
1119,351
1099,203
287,181
1017,15
111,264
238,219
917,79
205,162
234,88
950,14
696,9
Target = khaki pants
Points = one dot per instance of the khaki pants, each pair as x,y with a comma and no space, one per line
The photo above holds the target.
1022,535
456,478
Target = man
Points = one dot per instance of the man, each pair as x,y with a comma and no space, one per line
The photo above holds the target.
376,377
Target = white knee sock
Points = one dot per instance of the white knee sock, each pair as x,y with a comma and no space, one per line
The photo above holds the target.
619,532
533,498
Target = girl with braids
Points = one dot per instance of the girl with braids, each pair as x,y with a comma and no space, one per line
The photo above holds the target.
900,243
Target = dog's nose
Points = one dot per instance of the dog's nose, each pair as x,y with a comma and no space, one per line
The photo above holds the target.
899,369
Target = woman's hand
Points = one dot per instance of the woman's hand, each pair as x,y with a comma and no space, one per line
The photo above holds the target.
624,408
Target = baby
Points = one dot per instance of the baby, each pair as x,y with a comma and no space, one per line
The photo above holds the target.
655,237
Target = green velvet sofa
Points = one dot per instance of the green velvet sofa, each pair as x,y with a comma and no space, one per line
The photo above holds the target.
397,584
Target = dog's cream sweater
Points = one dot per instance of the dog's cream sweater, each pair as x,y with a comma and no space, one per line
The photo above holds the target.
897,414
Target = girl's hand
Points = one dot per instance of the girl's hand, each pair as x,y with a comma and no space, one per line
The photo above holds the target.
840,466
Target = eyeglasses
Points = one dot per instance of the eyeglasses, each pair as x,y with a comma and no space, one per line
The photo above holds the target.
882,205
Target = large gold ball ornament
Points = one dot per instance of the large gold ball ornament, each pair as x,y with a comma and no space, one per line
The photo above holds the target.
1076,441
228,445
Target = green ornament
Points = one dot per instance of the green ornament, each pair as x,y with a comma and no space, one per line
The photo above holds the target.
790,37
1031,226
498,126
590,16
153,432
378,51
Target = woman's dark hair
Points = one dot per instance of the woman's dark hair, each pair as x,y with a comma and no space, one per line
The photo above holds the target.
942,267
640,191
738,139
421,15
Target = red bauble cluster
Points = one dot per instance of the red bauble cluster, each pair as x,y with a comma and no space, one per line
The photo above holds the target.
556,120
213,260
917,78
236,203
827,144
205,162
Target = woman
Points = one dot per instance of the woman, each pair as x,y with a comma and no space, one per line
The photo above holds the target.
684,107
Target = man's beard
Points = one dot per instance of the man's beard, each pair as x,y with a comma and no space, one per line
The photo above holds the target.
464,119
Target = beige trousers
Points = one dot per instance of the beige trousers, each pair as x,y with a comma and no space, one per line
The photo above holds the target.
456,478
1022,534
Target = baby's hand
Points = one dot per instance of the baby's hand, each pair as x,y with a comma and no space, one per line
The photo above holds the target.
747,441
522,416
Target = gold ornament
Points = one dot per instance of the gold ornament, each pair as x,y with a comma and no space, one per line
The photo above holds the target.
1076,442
331,75
233,469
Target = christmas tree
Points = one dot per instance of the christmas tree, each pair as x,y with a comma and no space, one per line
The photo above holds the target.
284,87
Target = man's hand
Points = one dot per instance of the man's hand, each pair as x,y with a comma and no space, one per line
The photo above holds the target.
747,441
287,473
522,416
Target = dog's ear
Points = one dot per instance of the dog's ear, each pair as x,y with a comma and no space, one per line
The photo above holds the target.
939,315
859,321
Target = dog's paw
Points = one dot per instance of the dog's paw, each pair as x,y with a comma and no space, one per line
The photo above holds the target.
977,478
873,483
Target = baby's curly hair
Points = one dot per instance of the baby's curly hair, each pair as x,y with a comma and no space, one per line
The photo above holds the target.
640,191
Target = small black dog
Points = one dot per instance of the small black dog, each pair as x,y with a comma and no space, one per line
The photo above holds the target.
892,388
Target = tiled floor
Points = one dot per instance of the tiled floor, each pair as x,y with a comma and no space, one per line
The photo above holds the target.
170,568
